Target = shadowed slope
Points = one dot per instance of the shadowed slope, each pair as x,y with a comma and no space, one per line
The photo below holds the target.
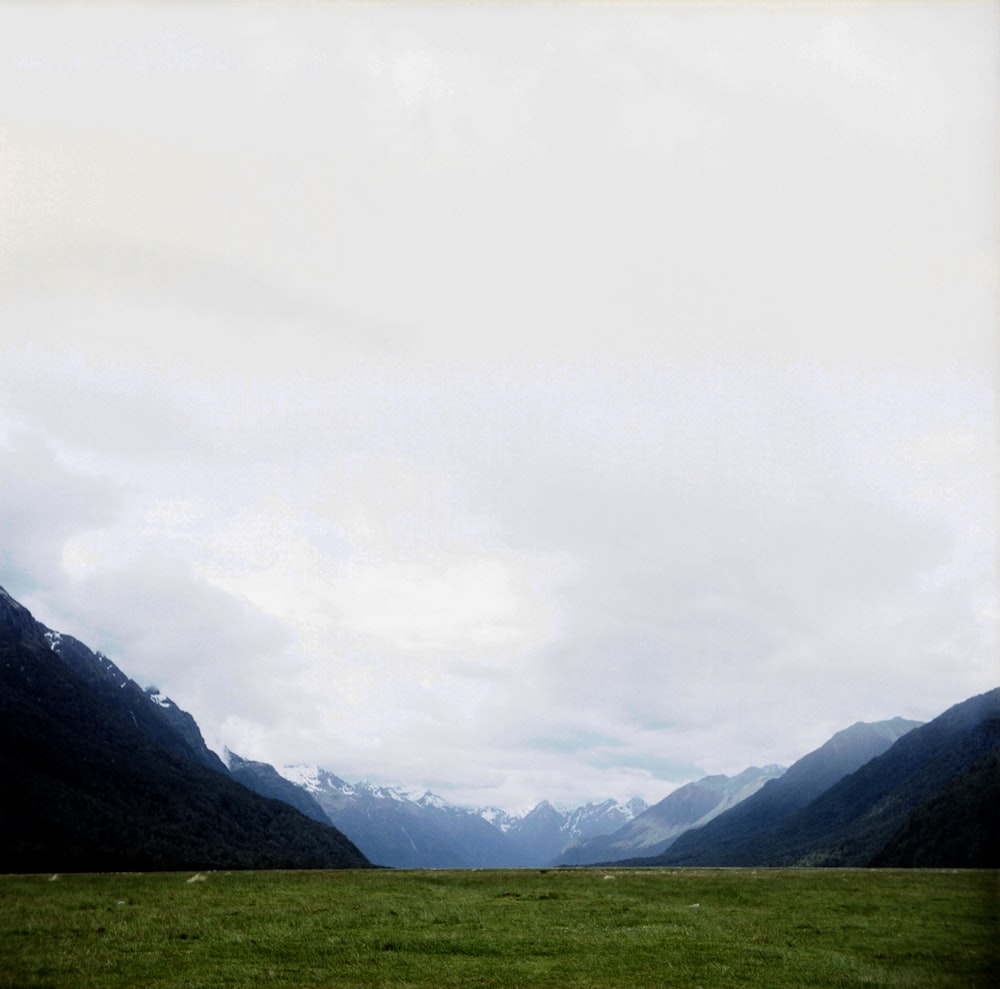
95,779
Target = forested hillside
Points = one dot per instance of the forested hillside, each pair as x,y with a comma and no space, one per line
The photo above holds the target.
94,779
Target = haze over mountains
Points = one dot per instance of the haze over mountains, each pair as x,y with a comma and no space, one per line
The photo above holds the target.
687,807
101,774
865,816
407,831
811,776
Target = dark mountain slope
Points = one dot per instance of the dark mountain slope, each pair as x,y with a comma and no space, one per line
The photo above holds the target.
722,840
851,822
155,715
957,828
95,779
263,778
186,727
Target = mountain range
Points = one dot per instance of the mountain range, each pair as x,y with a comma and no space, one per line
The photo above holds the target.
689,806
100,774
396,828
898,806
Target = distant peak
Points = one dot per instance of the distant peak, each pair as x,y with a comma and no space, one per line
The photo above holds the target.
304,775
636,805
433,800
892,728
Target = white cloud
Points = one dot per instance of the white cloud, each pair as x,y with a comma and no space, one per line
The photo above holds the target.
533,403
471,605
42,506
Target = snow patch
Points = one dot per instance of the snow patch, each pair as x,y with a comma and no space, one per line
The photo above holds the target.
305,776
500,819
433,800
54,640
389,792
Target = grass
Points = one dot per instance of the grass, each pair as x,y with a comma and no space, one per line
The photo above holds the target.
583,928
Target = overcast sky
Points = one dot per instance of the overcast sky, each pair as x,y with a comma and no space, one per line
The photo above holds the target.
542,400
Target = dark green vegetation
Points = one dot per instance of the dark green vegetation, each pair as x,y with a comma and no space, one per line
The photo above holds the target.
933,785
96,776
769,928
959,823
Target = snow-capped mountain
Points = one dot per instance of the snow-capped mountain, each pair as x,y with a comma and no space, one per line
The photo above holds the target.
433,800
263,778
591,820
337,792
499,818
397,828
546,831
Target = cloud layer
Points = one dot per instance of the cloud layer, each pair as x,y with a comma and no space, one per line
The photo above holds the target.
538,403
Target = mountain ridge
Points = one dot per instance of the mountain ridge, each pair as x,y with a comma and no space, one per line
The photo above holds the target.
97,779
852,821
102,774
398,828
687,807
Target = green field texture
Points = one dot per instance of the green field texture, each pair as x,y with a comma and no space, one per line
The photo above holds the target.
555,928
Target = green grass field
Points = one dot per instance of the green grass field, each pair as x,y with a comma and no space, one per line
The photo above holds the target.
596,928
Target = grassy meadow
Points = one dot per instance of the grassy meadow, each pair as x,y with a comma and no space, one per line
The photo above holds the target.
580,928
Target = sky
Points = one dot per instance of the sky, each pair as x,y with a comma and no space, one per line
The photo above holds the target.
515,401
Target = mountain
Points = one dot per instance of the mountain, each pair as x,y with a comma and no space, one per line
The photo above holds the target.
394,828
500,819
100,775
263,778
105,775
956,828
894,807
482,845
185,726
655,829
593,820
722,840
157,716
539,834
855,820
545,832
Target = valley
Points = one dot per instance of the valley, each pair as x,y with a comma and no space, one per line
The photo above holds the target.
103,774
